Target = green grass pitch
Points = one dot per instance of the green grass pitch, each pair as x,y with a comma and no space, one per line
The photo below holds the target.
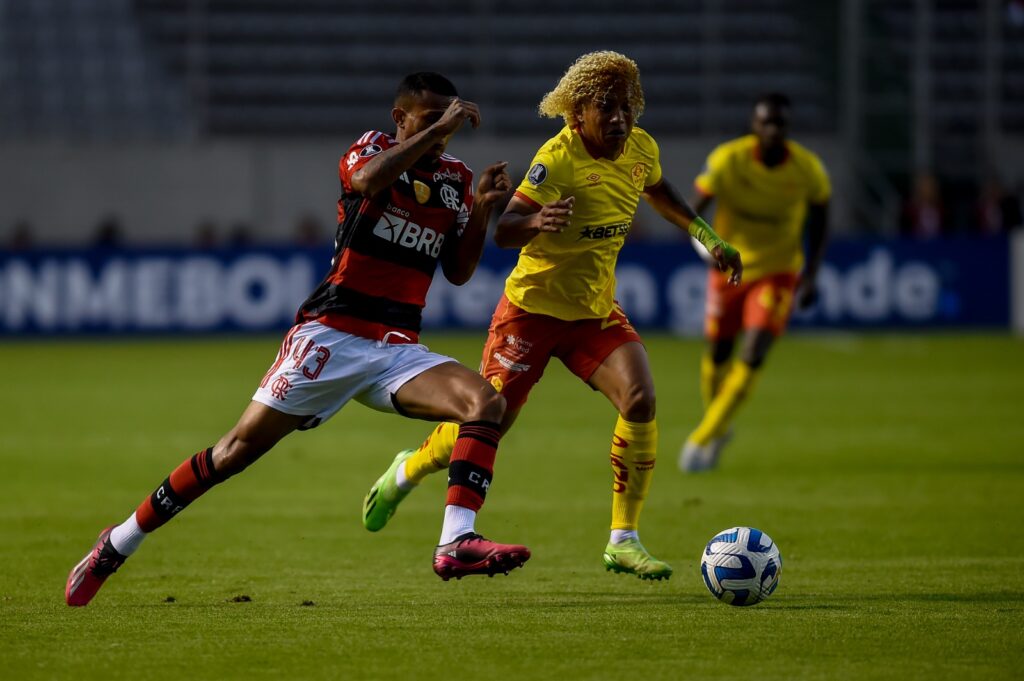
889,470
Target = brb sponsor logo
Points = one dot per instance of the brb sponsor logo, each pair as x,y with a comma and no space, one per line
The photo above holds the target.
408,234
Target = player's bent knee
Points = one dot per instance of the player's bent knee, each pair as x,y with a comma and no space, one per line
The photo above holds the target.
486,406
638,404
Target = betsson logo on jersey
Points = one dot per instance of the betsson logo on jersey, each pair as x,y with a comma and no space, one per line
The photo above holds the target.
604,231
409,235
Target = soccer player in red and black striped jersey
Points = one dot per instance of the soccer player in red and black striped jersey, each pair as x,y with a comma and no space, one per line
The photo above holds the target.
405,206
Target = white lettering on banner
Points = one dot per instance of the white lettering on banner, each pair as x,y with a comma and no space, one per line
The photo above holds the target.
874,290
300,277
27,295
255,292
917,291
868,288
636,289
830,296
102,300
470,305
150,288
686,289
152,293
198,292
473,302
877,289
200,286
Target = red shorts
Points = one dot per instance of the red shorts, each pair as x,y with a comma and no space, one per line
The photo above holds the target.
763,303
520,343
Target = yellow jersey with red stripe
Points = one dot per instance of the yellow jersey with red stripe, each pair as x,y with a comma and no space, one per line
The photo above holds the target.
760,210
571,274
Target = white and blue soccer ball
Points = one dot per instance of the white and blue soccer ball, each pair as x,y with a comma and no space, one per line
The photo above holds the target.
741,566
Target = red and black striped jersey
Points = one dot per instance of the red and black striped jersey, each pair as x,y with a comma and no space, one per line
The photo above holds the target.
387,247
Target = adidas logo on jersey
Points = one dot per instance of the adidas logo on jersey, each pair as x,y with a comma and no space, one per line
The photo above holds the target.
409,235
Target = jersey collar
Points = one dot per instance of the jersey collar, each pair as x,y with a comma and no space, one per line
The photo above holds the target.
757,156
590,153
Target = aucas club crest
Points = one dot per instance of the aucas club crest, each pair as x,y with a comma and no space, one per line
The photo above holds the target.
639,174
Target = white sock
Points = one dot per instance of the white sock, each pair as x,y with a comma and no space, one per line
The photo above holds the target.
458,520
619,536
403,482
126,537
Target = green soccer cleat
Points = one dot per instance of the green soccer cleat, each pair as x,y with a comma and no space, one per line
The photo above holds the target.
632,558
383,499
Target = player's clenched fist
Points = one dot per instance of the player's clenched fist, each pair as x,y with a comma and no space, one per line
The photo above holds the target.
458,111
494,184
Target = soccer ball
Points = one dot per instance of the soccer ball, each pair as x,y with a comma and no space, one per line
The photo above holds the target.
741,566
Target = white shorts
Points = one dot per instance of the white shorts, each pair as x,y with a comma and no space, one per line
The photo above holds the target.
319,369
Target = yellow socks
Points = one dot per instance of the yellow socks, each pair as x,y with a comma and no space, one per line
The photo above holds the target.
711,377
433,454
634,448
735,388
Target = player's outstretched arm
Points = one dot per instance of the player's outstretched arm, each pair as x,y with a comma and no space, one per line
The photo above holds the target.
385,168
664,199
459,262
817,234
522,221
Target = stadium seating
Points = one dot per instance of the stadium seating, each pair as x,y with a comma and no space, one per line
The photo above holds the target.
283,68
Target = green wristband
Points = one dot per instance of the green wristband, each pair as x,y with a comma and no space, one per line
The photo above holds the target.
702,232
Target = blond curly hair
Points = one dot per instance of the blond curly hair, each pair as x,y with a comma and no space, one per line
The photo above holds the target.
591,76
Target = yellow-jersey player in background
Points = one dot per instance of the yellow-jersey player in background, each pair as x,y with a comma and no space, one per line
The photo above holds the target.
570,217
766,188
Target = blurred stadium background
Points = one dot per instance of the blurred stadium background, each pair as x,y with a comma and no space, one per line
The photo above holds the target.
154,151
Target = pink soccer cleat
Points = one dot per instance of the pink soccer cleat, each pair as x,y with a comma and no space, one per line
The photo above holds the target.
88,576
471,554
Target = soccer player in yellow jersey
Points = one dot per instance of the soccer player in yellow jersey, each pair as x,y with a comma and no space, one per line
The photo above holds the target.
766,187
570,217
